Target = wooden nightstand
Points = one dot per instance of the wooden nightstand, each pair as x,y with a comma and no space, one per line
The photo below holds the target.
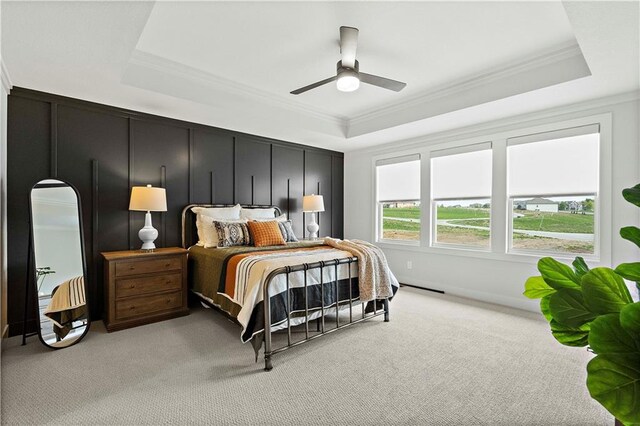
143,287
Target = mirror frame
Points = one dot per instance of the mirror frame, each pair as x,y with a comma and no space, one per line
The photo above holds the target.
32,253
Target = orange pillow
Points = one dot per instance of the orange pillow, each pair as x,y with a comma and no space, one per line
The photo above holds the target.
266,233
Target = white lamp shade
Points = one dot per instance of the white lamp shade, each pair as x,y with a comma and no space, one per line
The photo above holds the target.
312,203
148,199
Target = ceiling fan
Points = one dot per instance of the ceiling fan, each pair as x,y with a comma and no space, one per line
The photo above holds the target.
348,76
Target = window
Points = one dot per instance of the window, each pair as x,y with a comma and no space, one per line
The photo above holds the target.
398,198
461,196
553,190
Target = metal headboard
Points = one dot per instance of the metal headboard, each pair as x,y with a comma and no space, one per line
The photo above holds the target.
189,224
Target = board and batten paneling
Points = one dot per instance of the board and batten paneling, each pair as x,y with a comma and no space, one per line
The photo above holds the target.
104,138
211,167
317,180
104,151
161,158
28,161
287,183
252,172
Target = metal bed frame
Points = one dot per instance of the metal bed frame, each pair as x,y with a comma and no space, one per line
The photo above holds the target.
269,351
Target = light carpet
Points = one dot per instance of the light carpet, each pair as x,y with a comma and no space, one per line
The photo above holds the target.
441,360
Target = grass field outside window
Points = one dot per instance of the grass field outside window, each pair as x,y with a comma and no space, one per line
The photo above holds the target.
567,227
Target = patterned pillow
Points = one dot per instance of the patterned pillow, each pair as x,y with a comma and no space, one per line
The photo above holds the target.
266,233
210,232
287,231
232,234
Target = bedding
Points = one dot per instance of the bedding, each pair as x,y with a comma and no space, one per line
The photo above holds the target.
233,278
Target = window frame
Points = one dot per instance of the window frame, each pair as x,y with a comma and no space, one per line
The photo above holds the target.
500,204
457,150
378,216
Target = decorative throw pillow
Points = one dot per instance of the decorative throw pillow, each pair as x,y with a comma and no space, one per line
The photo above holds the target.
209,231
232,234
266,233
252,214
287,231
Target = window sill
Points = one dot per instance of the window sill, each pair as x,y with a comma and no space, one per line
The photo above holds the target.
520,257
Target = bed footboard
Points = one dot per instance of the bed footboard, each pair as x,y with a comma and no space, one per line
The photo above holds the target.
287,270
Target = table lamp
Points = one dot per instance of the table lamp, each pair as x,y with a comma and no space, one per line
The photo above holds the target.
311,204
149,199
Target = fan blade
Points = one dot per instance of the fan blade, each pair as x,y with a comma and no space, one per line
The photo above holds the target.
385,83
313,86
348,46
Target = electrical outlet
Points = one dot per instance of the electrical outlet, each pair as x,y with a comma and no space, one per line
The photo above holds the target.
409,264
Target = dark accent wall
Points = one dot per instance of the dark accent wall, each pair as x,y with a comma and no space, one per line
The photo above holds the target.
104,151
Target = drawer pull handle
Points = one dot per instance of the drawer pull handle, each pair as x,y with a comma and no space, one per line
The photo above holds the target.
168,300
131,268
132,286
167,264
133,307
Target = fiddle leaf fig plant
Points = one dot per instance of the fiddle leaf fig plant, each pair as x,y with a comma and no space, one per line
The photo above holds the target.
594,307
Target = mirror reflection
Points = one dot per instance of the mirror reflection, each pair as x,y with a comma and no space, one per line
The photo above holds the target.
59,263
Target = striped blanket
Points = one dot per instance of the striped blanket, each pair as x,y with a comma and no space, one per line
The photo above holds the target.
246,274
67,304
234,280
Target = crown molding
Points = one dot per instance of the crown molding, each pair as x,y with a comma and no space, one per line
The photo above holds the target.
502,124
5,78
552,56
178,70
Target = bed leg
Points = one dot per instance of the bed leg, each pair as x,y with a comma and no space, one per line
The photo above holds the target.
267,362
386,310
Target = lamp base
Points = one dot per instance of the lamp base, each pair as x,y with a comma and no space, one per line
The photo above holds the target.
313,227
148,234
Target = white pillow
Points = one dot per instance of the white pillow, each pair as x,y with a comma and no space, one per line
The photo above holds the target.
258,213
218,213
281,218
221,213
209,232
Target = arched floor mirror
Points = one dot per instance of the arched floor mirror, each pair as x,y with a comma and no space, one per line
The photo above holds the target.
58,264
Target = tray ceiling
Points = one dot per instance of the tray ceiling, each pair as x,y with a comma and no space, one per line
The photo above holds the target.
233,64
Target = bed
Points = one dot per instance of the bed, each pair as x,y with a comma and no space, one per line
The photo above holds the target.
275,288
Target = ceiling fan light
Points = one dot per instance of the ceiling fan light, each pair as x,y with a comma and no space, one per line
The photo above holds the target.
348,81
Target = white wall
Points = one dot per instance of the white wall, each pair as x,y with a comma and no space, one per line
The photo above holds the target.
497,278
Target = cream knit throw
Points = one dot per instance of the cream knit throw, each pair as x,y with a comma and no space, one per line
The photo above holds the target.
374,276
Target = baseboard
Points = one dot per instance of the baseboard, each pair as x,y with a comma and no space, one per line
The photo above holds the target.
512,302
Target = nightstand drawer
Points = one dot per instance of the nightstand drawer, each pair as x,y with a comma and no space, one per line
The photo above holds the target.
128,287
137,306
146,266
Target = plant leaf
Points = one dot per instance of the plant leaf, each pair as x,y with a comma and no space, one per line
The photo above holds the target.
632,195
614,381
630,318
568,308
608,337
569,336
604,291
580,267
544,308
631,233
536,287
557,275
630,271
